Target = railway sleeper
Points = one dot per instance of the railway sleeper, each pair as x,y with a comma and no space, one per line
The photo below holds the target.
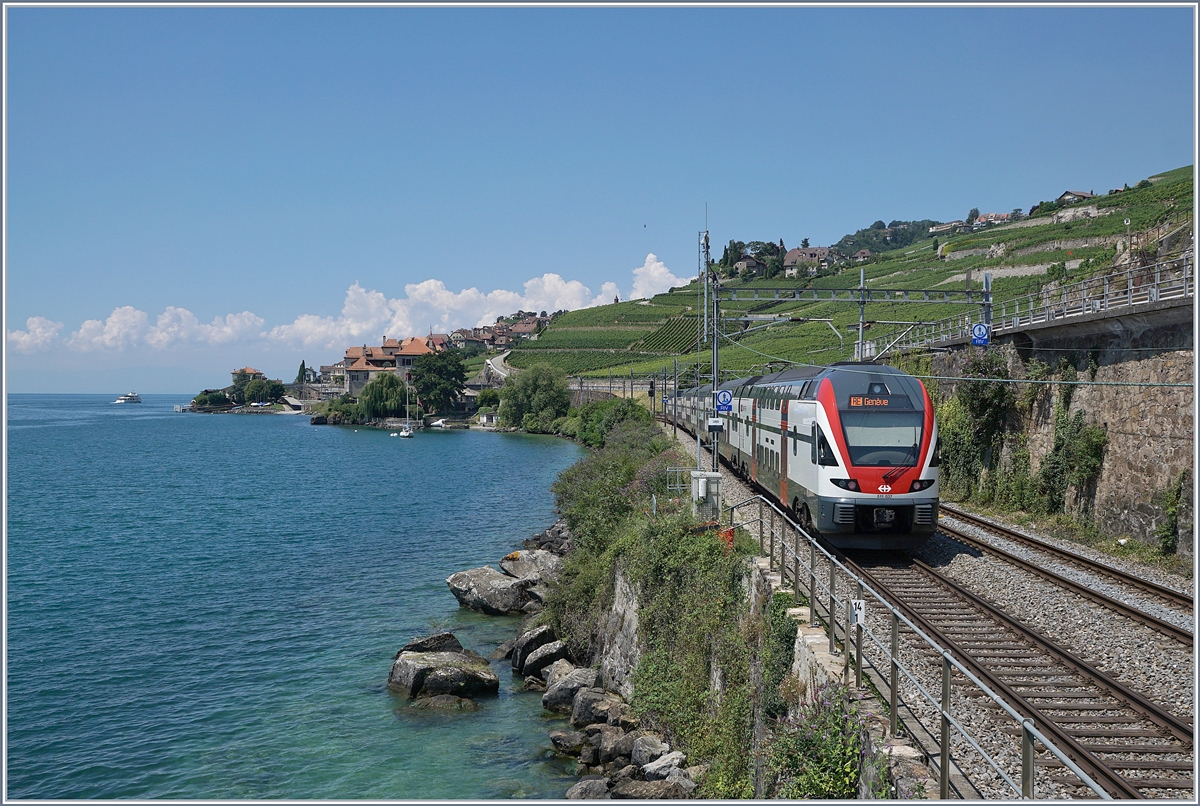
1138,764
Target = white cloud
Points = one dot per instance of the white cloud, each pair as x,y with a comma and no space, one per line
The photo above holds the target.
179,325
39,334
653,277
429,304
124,327
366,316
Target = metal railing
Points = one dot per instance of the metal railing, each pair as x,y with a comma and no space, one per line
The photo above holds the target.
773,527
1169,279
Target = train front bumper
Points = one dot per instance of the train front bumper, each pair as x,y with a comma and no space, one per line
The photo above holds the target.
870,522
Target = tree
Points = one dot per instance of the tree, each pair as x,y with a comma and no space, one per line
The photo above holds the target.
438,379
971,216
300,373
488,397
262,391
804,244
238,392
879,225
383,396
1016,213
540,391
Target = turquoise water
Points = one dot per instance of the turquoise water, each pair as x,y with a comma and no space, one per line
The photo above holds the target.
207,606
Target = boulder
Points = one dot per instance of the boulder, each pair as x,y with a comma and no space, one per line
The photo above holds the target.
317,419
624,745
592,705
438,642
529,641
556,671
504,651
425,674
543,656
489,591
560,695
648,748
660,768
605,741
533,683
590,788
682,778
532,563
568,741
648,790
589,755
446,702
626,773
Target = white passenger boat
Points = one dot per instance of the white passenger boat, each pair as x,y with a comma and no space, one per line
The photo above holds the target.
132,397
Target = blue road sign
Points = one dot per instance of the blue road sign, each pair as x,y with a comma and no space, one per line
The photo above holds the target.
724,400
979,335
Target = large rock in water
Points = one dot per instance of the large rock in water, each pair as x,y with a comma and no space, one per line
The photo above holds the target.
489,591
543,656
438,642
528,643
560,695
544,565
426,674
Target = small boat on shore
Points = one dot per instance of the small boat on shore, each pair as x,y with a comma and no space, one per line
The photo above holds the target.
132,397
438,423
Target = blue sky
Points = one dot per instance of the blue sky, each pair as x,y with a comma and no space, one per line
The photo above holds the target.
194,190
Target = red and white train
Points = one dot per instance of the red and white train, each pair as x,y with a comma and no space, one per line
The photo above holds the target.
851,449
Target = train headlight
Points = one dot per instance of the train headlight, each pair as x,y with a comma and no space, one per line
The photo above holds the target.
846,484
921,484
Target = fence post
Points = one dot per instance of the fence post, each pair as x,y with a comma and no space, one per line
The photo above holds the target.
858,646
812,583
945,760
771,543
831,611
796,565
846,646
1026,760
894,697
760,522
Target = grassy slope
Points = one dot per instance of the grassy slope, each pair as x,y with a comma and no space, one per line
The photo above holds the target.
644,335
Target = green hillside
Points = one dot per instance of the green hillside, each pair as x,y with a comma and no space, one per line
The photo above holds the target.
646,336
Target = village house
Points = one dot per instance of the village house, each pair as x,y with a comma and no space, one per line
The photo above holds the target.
862,255
748,263
254,374
524,329
814,257
1071,196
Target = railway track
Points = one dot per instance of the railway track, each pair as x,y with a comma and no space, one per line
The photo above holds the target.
1128,744
1161,595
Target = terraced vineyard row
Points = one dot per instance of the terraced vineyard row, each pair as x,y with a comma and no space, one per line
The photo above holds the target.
676,336
575,362
591,338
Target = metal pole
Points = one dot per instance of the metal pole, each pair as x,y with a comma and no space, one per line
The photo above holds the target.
831,611
771,552
858,647
675,407
796,566
812,583
894,696
862,309
987,302
945,760
846,647
760,524
1026,760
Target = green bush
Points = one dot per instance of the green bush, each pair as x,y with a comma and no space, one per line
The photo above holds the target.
537,396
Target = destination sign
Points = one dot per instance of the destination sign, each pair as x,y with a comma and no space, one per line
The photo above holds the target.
865,401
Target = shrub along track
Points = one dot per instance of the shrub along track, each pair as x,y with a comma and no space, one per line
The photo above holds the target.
1128,744
1165,597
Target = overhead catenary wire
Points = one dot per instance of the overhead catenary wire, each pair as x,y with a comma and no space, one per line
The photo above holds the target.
1048,381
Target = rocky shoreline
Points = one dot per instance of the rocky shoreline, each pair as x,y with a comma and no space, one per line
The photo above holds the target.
615,756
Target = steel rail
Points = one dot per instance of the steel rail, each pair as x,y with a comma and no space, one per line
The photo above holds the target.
1127,610
1137,703
1174,597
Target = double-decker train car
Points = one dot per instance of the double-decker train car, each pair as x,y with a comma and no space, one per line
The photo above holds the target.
851,449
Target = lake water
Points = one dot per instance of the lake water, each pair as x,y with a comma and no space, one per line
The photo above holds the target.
207,606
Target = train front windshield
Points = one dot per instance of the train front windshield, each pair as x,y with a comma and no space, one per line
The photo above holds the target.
883,438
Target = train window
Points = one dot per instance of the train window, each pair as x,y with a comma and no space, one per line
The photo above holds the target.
937,453
824,453
813,445
795,441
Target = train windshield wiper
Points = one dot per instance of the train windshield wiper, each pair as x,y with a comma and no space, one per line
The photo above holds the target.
895,472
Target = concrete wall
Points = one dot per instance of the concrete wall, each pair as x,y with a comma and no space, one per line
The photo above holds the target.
1150,429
